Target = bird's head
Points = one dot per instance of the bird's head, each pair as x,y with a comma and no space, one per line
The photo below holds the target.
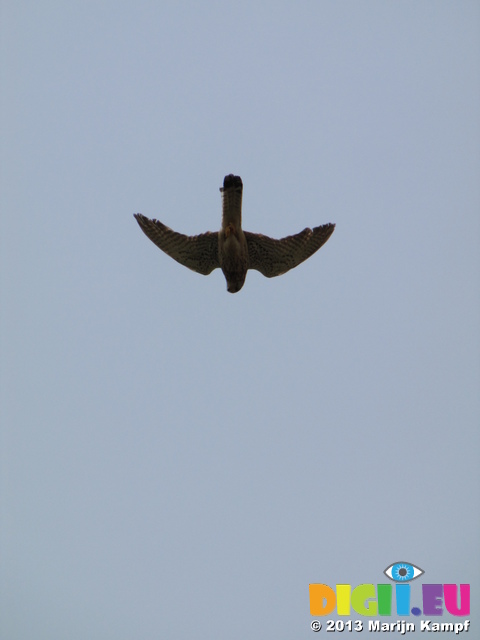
233,286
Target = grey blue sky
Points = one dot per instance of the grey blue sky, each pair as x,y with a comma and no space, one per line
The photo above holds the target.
180,462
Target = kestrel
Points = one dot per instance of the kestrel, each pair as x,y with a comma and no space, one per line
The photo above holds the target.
232,249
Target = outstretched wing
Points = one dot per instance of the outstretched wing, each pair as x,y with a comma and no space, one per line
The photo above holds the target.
199,253
274,257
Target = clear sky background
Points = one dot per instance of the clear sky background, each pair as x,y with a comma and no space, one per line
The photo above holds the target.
180,462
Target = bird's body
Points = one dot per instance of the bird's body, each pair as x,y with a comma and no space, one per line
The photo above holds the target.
232,244
232,249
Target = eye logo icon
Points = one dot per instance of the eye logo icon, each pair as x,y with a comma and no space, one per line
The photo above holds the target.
403,572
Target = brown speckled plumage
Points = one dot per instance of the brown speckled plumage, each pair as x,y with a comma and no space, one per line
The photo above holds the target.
232,249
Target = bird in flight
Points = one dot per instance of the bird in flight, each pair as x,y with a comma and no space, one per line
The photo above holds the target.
232,249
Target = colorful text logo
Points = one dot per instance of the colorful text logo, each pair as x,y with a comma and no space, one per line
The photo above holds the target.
372,600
